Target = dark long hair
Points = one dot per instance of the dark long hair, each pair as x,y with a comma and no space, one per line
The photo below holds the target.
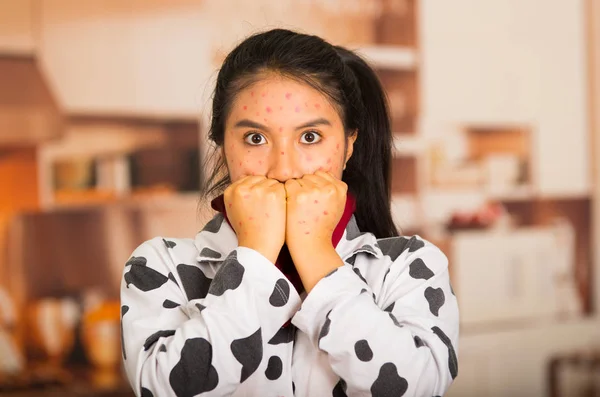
352,87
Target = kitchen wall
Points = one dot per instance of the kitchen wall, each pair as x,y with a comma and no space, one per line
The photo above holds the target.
495,115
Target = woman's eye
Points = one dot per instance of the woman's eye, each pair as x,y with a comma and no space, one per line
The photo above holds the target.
310,137
254,139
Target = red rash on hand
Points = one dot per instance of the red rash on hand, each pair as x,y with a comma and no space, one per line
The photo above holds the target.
288,95
268,109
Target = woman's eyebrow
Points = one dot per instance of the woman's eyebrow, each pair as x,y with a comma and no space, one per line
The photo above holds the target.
250,124
314,123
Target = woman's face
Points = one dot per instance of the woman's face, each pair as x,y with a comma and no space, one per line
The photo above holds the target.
283,129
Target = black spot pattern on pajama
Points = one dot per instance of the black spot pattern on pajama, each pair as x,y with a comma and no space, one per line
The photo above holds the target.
281,293
124,309
352,230
368,248
390,307
393,246
194,373
228,277
169,304
419,270
389,383
293,387
359,274
435,297
325,329
274,368
207,252
162,348
385,275
248,351
172,278
418,341
215,224
156,336
200,306
136,260
395,320
169,244
195,283
452,360
284,335
142,277
351,260
363,350
146,393
340,389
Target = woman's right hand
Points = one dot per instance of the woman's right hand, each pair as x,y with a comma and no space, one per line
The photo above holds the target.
256,208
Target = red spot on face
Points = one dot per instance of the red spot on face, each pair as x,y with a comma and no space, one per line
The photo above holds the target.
288,95
268,109
337,146
325,212
280,129
245,107
317,106
297,109
282,153
316,201
280,107
265,120
240,163
251,93
305,104
260,162
267,214
230,205
306,232
329,160
251,218
257,114
240,223
264,94
308,158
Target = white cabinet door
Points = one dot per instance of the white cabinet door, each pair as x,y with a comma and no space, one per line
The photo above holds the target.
504,62
16,27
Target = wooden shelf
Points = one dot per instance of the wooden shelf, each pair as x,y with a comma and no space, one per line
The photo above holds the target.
389,57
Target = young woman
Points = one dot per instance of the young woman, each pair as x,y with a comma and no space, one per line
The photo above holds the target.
300,284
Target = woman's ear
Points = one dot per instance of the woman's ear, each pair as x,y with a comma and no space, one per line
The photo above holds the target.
350,146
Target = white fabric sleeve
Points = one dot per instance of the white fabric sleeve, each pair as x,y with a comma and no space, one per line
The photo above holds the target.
173,346
401,342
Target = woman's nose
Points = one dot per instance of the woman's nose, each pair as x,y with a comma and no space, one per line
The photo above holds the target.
283,165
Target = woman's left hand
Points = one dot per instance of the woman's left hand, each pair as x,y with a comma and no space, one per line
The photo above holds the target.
315,204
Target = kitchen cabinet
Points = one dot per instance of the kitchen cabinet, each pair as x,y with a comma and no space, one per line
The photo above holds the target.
123,57
507,62
16,27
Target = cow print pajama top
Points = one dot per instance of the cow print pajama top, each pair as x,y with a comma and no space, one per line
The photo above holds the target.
204,317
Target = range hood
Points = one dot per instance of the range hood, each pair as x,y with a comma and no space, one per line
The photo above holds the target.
29,113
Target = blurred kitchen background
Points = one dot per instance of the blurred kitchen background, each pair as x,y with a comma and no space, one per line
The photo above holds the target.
496,113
